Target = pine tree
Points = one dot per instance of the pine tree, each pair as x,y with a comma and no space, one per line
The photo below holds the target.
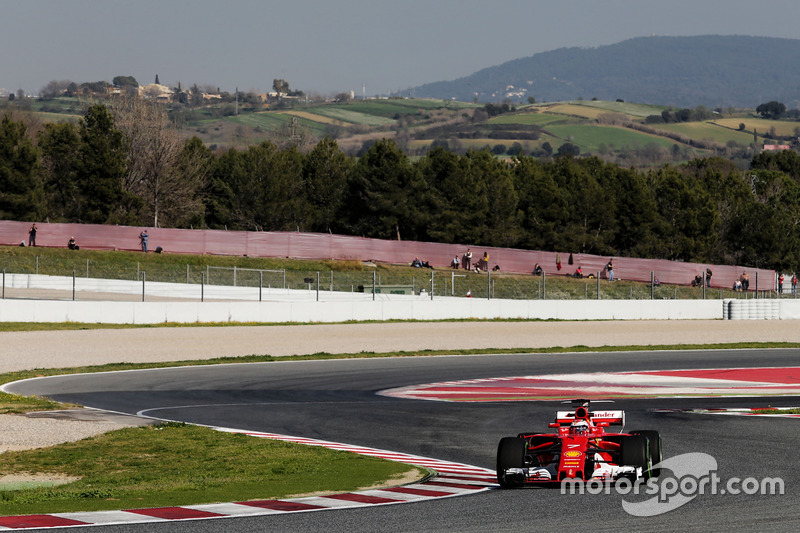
18,176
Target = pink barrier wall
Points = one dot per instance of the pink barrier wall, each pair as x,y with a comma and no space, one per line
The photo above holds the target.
327,246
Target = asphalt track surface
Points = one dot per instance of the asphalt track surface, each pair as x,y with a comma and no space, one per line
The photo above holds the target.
336,400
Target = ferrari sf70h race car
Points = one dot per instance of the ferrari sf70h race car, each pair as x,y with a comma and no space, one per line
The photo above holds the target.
581,449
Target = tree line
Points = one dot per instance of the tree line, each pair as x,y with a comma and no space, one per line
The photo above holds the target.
123,163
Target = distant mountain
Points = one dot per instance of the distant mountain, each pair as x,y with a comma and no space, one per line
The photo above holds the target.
710,70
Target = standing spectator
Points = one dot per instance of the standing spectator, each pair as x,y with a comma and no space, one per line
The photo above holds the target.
780,284
610,270
143,236
468,260
32,235
485,260
745,280
708,277
794,283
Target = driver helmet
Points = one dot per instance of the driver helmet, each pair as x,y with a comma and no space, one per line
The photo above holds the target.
581,427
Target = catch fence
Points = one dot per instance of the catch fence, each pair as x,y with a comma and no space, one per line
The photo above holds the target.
80,279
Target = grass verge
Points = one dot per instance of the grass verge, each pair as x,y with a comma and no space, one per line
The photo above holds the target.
176,464
776,411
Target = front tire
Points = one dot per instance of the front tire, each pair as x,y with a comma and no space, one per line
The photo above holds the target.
510,454
654,444
635,451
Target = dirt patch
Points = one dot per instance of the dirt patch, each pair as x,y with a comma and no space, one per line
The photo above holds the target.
405,478
25,480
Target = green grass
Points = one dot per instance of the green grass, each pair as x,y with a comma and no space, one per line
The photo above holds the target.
776,411
176,464
707,131
762,126
353,116
271,121
590,137
390,108
628,108
528,119
16,404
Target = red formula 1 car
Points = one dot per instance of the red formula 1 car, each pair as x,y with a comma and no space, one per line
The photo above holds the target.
581,449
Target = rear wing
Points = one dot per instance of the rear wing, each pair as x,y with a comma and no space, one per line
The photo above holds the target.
612,418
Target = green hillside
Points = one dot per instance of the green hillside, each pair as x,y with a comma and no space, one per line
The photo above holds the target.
615,130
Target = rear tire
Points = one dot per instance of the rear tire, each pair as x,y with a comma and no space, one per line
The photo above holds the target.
510,454
654,443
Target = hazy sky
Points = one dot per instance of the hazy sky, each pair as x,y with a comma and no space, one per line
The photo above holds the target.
335,46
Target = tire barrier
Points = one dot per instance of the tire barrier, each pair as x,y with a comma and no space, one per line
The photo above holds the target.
762,309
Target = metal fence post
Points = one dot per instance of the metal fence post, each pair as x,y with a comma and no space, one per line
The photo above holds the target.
373,286
87,268
488,284
544,285
144,276
234,275
284,278
187,273
598,285
652,284
317,285
260,283
756,284
37,264
202,285
431,284
4,284
73,285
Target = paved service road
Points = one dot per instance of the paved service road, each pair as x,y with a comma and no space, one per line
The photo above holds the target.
336,400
